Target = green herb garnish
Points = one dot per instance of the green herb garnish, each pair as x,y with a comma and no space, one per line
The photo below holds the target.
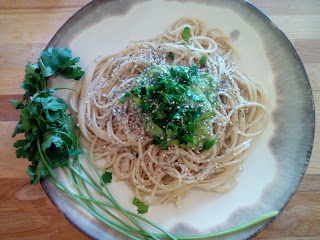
203,60
171,56
159,141
142,207
43,118
124,97
186,34
107,177
207,145
174,104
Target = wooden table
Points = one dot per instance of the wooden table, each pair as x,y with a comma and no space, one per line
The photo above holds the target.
26,27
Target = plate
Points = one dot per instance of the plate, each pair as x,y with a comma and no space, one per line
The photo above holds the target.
277,160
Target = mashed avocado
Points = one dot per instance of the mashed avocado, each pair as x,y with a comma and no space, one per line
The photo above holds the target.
175,104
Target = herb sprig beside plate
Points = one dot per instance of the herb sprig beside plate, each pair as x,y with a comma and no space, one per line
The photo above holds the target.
43,117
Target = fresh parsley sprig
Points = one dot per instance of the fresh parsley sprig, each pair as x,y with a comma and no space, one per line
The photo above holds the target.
43,116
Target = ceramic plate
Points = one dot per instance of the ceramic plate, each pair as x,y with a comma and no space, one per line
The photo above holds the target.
277,160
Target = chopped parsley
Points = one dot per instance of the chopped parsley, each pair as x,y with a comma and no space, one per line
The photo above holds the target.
186,34
203,60
171,56
174,103
142,207
207,145
124,97
107,177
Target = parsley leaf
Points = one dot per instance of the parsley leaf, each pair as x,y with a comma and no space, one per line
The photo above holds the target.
186,34
207,145
60,60
107,177
162,142
74,152
142,207
124,97
171,56
51,139
33,81
52,60
203,60
17,104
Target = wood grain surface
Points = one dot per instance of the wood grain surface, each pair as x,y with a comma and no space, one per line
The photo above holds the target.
26,26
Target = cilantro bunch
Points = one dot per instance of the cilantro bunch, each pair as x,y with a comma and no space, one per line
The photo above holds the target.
49,131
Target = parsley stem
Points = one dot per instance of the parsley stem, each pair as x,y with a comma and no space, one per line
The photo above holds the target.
69,176
93,184
232,230
57,182
122,224
100,204
43,80
144,233
119,206
126,212
100,217
72,138
89,203
65,88
97,188
93,200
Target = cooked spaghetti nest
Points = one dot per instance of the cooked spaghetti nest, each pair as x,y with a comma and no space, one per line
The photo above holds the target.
116,139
